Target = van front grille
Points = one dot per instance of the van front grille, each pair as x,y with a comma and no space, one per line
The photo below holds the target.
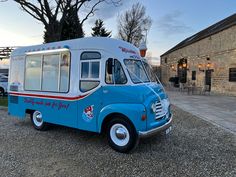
160,113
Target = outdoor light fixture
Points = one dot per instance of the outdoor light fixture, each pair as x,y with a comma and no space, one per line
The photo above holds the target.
173,67
209,66
200,67
185,66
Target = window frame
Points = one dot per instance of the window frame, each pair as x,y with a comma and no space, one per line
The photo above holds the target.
41,70
143,70
89,60
194,75
60,53
232,79
113,72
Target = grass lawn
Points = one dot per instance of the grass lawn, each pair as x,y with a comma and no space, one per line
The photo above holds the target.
3,101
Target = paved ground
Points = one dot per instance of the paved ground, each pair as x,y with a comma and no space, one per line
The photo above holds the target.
194,148
220,110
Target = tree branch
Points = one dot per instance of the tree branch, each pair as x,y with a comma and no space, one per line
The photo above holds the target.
91,11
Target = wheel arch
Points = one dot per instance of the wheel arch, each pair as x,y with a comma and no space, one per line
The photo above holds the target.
109,117
29,111
130,112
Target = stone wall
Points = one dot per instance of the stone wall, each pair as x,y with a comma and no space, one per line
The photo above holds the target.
219,48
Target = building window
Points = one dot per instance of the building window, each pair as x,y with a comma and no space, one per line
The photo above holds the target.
193,75
166,60
232,74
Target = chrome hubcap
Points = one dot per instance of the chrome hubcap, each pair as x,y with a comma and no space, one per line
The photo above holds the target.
38,118
121,133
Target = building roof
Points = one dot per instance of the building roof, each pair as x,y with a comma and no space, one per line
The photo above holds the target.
213,29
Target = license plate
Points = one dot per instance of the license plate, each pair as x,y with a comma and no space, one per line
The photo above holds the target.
168,130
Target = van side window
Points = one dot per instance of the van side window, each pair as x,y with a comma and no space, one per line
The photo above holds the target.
48,72
90,71
118,73
33,72
90,55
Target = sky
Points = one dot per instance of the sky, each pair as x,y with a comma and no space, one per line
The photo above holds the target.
172,21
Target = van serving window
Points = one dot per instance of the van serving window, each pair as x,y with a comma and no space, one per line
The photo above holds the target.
90,55
47,72
50,73
33,72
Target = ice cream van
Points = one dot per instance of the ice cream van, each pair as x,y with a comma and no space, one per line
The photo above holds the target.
92,84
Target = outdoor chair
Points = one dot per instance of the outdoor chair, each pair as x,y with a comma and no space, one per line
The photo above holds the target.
206,89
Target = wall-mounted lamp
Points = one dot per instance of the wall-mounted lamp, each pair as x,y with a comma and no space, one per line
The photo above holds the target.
185,66
173,67
209,67
200,67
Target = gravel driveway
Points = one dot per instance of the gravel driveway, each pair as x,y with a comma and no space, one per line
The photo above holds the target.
194,148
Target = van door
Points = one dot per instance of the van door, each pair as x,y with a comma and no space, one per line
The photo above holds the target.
90,86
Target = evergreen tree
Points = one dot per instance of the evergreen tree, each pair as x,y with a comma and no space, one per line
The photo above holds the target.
72,28
99,30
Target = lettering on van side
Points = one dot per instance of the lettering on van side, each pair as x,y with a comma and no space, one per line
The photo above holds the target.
54,104
127,50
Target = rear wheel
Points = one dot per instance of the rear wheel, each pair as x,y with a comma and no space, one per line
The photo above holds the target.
121,135
37,121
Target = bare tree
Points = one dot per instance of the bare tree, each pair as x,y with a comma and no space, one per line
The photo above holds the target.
54,14
134,24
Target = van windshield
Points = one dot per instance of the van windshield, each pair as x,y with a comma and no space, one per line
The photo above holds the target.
136,71
150,72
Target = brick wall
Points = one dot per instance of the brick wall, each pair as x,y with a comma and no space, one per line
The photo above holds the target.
220,48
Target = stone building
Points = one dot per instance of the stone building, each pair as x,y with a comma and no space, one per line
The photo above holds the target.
206,60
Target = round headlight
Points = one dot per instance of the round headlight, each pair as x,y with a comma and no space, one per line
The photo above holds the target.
153,107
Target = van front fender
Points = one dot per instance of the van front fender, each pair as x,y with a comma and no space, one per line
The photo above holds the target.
133,112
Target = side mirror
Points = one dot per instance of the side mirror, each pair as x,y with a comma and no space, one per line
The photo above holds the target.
110,65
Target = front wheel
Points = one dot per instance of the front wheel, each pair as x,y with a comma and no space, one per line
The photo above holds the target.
121,135
37,121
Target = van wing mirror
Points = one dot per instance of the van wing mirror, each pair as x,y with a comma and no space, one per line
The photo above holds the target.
110,65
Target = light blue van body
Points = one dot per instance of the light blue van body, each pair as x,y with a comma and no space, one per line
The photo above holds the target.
89,110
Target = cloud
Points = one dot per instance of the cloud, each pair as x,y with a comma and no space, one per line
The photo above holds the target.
170,24
107,10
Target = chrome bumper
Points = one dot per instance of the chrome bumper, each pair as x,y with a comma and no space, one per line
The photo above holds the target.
145,134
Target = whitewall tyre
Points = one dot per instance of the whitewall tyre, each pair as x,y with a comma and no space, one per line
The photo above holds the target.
121,135
37,121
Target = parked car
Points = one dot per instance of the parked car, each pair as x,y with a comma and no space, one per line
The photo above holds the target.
3,84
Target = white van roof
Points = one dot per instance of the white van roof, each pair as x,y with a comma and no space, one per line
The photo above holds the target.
88,43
